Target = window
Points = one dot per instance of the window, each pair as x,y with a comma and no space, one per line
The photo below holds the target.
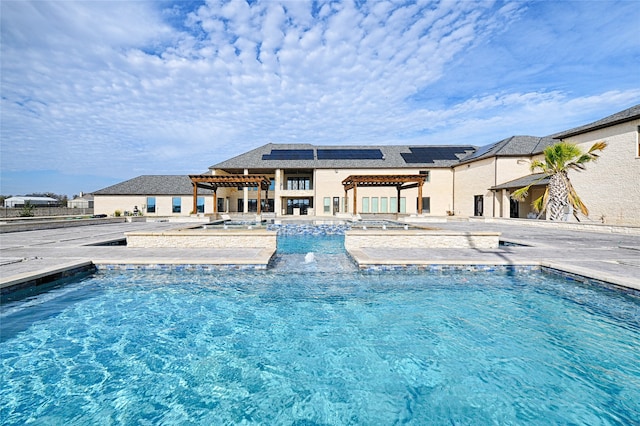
426,204
200,204
299,203
151,204
384,206
403,205
176,205
327,204
393,205
374,204
298,183
365,204
427,173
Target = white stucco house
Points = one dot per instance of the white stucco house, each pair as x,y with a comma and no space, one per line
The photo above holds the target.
472,180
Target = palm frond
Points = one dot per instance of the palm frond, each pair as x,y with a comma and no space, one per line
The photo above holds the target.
521,194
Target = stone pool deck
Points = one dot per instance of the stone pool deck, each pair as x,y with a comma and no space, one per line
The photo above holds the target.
605,256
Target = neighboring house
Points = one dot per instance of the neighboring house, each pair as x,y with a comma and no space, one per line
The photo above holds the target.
152,195
34,201
460,180
82,201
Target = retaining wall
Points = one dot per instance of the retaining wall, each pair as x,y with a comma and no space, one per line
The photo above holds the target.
230,238
412,239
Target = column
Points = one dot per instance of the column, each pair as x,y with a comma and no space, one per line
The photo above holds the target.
277,200
245,195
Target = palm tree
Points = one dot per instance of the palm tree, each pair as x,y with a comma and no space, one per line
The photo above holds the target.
558,160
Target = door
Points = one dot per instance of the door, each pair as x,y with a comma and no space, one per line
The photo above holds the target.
478,201
514,208
336,205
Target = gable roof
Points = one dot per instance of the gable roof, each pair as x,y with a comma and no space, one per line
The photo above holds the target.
513,146
617,118
307,156
152,185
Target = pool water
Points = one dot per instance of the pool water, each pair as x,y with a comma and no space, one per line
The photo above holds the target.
321,348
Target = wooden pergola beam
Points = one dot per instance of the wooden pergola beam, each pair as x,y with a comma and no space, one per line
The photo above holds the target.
401,182
213,182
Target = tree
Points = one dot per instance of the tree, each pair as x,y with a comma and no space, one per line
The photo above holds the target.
558,160
27,209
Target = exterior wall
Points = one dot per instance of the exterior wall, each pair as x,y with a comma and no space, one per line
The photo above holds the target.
328,183
108,204
610,187
476,178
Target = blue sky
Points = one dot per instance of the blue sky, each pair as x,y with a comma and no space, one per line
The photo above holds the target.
97,92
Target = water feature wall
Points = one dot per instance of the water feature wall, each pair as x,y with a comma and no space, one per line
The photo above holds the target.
413,239
204,238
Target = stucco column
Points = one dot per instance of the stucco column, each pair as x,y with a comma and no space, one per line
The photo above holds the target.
245,196
506,204
277,201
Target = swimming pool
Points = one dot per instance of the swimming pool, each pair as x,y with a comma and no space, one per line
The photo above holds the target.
328,347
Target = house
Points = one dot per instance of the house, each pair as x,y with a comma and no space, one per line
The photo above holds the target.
82,201
34,201
429,180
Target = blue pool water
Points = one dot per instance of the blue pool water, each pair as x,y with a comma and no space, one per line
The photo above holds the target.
321,348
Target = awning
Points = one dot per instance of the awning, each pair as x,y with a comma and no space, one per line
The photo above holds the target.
537,179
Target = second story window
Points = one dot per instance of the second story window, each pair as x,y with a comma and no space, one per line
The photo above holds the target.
298,183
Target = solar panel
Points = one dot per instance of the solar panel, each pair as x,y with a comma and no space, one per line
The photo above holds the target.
289,154
349,154
430,154
481,151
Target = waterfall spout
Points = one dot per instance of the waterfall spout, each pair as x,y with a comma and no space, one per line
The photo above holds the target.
309,257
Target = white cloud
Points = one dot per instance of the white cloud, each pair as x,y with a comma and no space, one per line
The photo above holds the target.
107,88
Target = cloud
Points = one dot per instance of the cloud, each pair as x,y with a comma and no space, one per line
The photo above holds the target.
116,89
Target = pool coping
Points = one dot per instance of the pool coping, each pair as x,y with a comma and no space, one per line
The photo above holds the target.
69,269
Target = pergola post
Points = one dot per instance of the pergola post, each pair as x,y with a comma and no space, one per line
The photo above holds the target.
419,199
215,201
398,188
259,199
195,198
355,202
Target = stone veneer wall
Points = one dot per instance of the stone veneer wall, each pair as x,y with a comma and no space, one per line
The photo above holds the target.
258,238
412,239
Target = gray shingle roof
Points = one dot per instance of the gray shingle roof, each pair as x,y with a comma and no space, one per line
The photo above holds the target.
537,178
512,146
393,156
617,118
153,185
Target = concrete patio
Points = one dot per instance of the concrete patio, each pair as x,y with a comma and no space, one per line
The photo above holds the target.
605,256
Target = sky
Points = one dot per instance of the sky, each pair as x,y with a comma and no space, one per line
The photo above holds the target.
97,92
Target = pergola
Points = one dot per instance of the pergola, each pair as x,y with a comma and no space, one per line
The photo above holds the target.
399,181
213,182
